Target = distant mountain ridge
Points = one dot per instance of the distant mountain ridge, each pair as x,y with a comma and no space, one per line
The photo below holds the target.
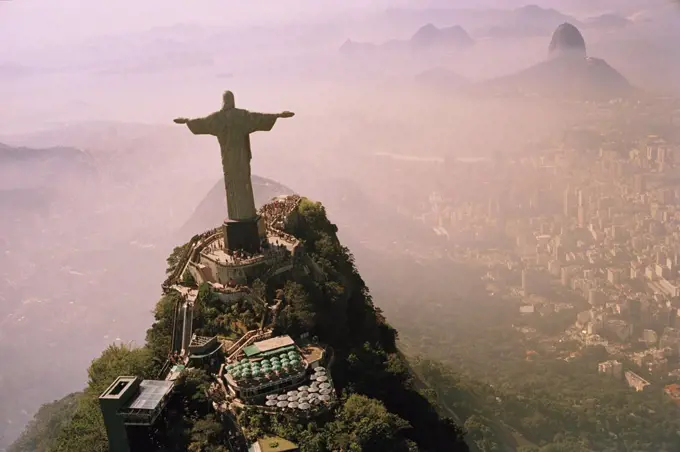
14,153
23,168
607,21
427,37
530,20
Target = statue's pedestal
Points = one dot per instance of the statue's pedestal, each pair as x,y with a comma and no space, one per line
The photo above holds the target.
245,235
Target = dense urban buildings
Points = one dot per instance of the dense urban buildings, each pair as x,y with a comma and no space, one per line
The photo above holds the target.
582,225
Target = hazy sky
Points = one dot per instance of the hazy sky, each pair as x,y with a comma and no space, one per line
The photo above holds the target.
41,21
31,22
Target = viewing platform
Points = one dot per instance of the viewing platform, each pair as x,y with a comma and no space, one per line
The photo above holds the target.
211,261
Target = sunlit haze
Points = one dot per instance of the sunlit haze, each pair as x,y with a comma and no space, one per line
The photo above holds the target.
442,137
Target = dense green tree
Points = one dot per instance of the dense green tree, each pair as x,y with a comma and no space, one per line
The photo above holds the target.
159,336
364,424
41,433
86,431
205,434
298,316
175,257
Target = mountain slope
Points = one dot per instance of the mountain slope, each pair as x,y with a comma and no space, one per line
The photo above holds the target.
383,410
586,78
42,193
51,168
567,74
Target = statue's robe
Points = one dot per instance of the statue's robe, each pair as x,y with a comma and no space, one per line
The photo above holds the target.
233,127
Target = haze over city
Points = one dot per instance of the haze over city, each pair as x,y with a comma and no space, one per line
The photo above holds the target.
430,131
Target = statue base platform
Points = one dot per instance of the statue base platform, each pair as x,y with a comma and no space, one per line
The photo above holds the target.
244,235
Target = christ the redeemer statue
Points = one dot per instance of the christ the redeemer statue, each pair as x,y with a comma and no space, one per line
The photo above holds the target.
232,126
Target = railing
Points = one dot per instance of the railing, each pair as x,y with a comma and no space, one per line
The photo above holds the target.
250,340
186,257
173,339
165,368
243,338
211,238
197,244
174,324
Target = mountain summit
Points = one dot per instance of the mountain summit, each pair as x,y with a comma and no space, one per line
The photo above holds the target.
567,40
568,73
429,35
426,38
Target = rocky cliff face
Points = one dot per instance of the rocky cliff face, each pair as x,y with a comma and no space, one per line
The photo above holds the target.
567,40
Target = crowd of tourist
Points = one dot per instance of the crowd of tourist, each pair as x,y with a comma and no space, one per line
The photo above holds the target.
275,214
276,211
240,255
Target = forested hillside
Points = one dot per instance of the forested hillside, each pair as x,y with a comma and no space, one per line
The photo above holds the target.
380,408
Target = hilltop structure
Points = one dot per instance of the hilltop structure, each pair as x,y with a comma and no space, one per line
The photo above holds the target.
274,373
243,230
252,322
132,402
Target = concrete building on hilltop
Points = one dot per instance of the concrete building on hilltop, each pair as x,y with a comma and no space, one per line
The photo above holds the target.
132,403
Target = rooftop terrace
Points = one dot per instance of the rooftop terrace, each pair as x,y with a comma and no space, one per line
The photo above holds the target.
271,344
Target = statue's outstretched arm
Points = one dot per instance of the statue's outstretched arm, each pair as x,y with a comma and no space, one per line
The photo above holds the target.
210,125
263,122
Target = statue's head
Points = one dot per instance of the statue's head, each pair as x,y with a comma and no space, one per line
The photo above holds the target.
228,101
